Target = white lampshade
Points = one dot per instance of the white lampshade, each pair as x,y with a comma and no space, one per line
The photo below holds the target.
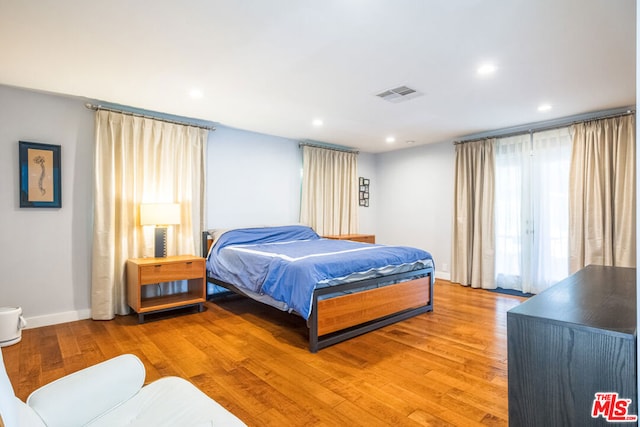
159,213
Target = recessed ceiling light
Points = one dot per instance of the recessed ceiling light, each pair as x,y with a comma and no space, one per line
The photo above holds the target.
410,142
544,107
390,139
196,94
487,69
317,122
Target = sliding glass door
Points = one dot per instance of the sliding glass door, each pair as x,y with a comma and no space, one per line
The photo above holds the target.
531,210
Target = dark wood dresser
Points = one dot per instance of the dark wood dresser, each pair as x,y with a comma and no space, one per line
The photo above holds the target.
570,342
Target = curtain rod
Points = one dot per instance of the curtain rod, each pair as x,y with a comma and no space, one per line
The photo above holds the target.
542,127
346,150
97,107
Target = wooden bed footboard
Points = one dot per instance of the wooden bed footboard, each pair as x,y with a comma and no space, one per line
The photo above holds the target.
342,317
346,311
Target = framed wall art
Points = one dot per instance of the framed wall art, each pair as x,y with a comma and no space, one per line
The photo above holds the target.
363,185
39,175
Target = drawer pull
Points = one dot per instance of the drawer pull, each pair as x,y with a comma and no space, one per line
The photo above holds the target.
189,262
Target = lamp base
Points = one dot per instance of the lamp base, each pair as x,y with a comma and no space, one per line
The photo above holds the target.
160,238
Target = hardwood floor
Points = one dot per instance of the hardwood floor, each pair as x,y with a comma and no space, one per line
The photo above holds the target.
448,367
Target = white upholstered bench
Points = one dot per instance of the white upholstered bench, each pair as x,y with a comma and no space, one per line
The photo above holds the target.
111,394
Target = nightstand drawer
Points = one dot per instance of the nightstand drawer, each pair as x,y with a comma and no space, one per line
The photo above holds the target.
167,272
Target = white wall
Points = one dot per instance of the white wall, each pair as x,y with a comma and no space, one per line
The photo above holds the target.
414,200
366,215
46,253
255,179
252,179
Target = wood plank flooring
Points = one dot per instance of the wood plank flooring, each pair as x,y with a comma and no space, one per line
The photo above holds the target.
445,368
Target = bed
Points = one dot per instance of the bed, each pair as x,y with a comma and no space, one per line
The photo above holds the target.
342,288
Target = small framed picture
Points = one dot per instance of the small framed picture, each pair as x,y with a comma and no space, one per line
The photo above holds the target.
361,181
39,175
366,181
363,201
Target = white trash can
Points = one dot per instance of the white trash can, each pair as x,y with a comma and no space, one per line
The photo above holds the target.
11,325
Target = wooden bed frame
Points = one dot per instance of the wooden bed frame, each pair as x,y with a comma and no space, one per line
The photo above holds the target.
339,318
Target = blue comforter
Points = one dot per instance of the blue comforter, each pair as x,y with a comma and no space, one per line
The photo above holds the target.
288,262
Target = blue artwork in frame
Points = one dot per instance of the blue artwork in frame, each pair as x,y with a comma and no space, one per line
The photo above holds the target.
39,175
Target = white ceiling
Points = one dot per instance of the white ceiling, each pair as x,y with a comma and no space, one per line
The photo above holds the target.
274,66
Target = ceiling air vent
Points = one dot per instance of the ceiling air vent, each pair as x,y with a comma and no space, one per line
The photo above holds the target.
398,94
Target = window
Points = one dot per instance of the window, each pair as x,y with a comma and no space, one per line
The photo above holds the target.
531,210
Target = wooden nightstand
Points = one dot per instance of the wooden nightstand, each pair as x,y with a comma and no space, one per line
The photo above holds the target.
150,271
364,238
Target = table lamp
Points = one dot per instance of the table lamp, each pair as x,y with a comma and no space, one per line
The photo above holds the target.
160,215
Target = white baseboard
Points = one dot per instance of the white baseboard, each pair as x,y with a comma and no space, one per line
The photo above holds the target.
56,318
443,275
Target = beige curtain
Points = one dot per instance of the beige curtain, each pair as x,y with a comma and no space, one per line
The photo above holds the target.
141,160
473,256
329,191
602,194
